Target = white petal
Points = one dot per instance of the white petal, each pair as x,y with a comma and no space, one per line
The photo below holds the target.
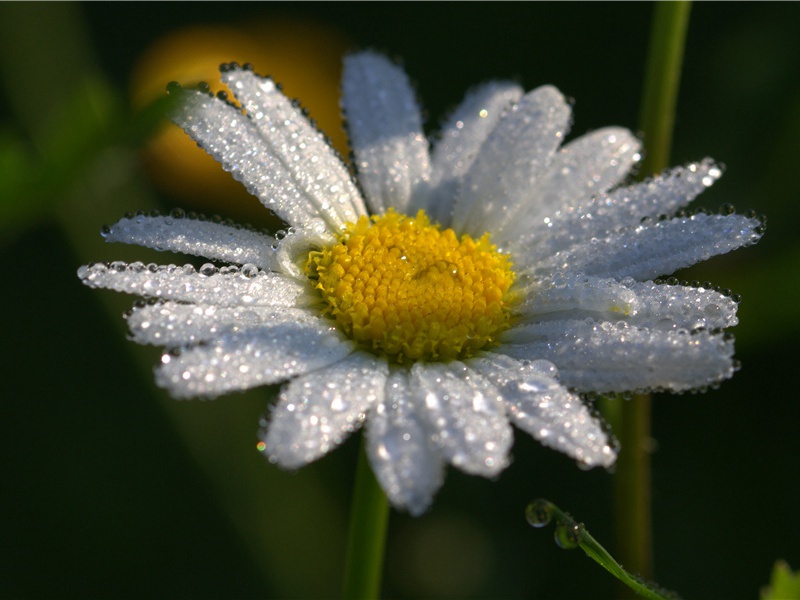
301,148
518,151
615,357
538,404
402,455
623,208
199,238
565,296
317,411
172,324
228,286
464,414
560,293
234,141
461,138
673,307
262,356
385,128
658,248
584,168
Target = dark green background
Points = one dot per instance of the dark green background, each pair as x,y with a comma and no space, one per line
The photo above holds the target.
112,490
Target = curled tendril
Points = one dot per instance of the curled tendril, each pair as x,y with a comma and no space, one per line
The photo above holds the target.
570,534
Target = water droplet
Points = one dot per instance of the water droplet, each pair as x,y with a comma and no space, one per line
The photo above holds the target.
538,513
208,269
568,535
249,270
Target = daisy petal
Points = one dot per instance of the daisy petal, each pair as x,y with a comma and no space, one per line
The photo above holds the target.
461,137
668,307
657,248
198,238
173,324
584,168
643,304
464,415
539,405
385,128
238,361
403,458
625,207
311,418
228,286
615,357
236,143
299,146
513,158
565,293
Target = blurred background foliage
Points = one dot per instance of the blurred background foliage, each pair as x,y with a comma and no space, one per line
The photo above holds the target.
111,489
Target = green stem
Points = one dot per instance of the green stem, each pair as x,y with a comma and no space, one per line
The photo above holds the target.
632,481
632,488
369,515
662,79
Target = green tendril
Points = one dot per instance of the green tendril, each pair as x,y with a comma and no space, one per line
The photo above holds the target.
570,534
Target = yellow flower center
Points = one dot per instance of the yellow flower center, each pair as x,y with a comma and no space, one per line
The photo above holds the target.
412,291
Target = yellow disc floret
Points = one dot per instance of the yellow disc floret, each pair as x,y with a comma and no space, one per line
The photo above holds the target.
412,291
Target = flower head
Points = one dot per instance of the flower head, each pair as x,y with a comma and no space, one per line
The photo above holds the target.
484,279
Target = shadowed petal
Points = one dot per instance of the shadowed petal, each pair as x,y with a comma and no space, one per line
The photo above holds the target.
461,138
514,157
385,128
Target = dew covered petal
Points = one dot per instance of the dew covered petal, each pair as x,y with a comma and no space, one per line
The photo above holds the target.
582,169
512,160
601,356
610,212
228,286
216,241
317,411
269,354
560,294
234,140
173,324
385,128
673,307
302,149
464,414
539,405
565,296
461,138
657,248
404,459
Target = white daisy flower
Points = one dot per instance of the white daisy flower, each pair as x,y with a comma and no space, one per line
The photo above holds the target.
465,284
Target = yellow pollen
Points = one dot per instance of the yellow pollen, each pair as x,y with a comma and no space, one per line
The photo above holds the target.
411,291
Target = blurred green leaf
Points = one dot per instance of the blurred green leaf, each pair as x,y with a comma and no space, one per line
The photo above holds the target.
784,585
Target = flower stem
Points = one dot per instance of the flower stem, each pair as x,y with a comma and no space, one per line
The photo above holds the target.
632,481
369,515
662,78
